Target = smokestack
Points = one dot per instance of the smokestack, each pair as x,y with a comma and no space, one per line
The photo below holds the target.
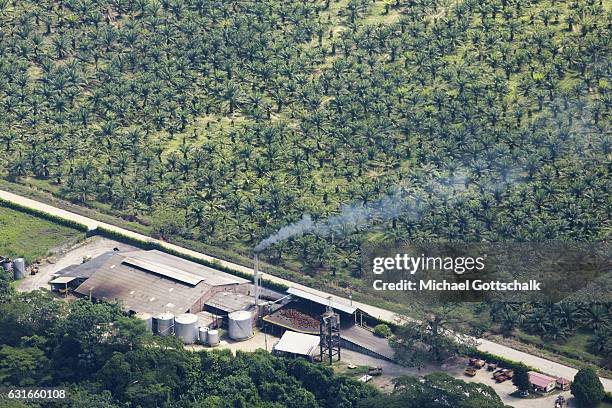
256,277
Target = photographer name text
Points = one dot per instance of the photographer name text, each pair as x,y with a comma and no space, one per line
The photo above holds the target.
467,285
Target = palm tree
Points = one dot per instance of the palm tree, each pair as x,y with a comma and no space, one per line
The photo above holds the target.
539,321
595,317
601,341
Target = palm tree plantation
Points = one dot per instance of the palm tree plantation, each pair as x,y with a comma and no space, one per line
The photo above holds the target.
213,123
225,120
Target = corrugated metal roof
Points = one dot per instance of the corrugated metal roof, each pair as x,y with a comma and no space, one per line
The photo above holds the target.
85,270
63,279
164,270
142,291
297,343
541,380
230,301
321,300
366,339
211,276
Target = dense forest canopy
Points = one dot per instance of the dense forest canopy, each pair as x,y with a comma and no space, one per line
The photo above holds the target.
224,120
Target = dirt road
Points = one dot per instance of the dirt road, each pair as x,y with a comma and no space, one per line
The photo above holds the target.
544,365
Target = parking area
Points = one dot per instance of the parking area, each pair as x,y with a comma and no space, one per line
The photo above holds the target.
456,369
505,389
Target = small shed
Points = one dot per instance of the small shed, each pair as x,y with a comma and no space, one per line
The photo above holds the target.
294,344
541,382
62,283
563,383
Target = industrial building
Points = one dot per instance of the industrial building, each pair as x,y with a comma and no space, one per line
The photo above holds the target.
303,314
178,297
294,344
155,282
172,295
72,276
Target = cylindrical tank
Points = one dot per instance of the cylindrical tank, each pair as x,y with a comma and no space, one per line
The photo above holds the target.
7,264
186,327
213,338
164,324
203,335
19,269
147,318
240,325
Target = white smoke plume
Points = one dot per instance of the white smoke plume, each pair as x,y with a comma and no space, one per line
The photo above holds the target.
361,216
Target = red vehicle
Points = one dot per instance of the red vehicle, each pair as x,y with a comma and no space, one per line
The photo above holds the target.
477,363
502,375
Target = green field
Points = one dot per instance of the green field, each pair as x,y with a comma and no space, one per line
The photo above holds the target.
23,235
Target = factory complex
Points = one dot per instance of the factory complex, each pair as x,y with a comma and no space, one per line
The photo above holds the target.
175,296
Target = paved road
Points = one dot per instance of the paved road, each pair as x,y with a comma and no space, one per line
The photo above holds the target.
544,365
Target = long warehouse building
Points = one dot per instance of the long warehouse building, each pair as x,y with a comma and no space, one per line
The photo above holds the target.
156,282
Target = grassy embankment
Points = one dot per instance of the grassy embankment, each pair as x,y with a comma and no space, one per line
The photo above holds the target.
23,235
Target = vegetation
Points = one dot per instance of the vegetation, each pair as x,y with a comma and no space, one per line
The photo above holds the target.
437,390
6,290
382,330
419,342
100,355
558,323
587,388
218,122
42,214
30,237
221,121
503,362
520,378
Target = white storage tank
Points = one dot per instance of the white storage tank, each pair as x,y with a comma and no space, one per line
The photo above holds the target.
213,338
203,335
19,269
186,327
164,324
240,325
147,318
